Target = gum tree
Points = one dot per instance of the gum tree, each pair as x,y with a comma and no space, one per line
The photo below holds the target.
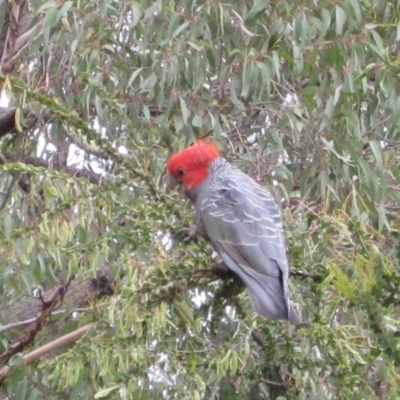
99,298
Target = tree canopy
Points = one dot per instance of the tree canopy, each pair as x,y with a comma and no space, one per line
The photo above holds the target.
99,297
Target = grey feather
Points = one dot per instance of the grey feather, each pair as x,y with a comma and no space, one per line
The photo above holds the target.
244,225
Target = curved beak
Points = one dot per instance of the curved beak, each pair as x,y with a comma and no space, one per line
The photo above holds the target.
169,181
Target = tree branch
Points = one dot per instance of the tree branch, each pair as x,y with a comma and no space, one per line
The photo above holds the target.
48,348
80,293
47,306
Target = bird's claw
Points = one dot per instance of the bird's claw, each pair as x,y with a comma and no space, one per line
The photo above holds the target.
188,234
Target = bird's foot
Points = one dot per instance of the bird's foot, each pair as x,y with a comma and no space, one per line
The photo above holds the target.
188,234
220,269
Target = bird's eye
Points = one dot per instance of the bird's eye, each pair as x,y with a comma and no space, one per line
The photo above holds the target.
181,172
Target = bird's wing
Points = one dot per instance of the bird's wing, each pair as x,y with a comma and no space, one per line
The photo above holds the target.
245,227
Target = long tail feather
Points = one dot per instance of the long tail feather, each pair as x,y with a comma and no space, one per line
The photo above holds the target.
268,299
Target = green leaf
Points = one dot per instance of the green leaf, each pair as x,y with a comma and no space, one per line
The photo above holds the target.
184,109
105,392
256,11
340,20
377,151
197,121
136,12
134,75
180,29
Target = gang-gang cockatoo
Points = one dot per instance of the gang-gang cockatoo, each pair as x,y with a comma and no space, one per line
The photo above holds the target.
243,223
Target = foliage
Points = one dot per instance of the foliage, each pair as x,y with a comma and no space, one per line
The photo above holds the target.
304,96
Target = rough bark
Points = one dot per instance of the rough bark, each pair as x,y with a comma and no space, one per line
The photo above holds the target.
79,294
16,31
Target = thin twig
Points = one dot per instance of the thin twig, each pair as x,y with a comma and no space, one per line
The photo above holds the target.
48,348
31,320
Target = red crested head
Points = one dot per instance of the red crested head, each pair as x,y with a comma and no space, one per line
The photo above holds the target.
190,166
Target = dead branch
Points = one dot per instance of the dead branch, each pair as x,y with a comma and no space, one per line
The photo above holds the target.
80,293
7,119
48,348
30,316
47,306
16,32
